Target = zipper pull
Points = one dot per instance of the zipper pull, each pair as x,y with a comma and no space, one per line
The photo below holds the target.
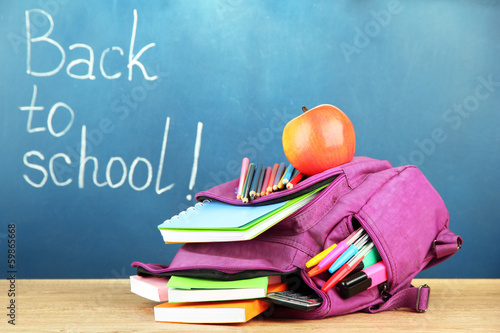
383,291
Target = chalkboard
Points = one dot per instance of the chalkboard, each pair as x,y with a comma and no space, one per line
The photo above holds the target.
115,113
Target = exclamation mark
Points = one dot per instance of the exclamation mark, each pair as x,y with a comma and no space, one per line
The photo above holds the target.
194,171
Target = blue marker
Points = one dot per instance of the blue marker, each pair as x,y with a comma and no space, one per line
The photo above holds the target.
349,253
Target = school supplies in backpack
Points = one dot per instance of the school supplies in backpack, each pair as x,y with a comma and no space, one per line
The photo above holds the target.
398,209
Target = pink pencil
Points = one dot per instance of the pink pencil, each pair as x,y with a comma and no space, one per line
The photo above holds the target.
243,173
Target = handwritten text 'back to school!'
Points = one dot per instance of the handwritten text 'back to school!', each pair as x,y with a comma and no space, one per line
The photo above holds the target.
42,170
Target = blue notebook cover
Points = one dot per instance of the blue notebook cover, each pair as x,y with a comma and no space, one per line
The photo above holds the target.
215,214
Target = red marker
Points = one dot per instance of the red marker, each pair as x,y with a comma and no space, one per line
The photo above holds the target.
348,267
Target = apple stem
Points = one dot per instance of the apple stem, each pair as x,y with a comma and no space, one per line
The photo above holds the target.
304,109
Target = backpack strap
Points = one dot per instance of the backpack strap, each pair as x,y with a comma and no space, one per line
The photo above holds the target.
416,298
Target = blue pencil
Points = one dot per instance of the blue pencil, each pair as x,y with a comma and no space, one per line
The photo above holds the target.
288,174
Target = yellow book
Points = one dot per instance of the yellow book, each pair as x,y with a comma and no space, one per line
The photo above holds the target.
210,312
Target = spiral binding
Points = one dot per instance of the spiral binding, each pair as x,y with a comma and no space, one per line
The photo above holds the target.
196,206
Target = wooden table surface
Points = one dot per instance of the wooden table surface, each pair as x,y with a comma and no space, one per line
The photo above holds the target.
458,305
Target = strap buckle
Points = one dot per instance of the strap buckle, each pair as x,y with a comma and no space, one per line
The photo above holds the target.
417,307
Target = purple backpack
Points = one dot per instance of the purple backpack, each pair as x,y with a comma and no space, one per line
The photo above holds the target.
400,210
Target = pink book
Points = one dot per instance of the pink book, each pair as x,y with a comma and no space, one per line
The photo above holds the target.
150,287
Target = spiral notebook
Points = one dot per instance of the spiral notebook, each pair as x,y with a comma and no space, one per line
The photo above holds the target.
216,215
213,221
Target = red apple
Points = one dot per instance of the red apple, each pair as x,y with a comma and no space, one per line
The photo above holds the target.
319,139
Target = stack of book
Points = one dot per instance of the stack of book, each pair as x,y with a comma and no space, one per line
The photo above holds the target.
195,300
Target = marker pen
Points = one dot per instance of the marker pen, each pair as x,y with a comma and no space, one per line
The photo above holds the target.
317,258
346,268
341,247
349,253
370,258
363,280
327,261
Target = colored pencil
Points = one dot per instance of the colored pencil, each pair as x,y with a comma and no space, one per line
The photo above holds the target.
248,182
295,180
279,176
243,174
272,177
255,181
288,174
263,190
260,183
281,184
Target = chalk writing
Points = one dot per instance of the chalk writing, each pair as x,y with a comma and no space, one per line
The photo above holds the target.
133,58
42,169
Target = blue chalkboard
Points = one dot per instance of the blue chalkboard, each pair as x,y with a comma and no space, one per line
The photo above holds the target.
113,114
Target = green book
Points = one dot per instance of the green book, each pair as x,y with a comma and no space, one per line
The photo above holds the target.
188,289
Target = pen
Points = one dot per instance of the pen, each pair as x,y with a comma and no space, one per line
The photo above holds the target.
327,261
317,258
341,247
346,268
243,173
370,258
349,253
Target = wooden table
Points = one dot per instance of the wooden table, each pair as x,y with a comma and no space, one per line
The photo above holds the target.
109,306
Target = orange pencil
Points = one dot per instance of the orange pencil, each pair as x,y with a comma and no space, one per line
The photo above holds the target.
272,177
